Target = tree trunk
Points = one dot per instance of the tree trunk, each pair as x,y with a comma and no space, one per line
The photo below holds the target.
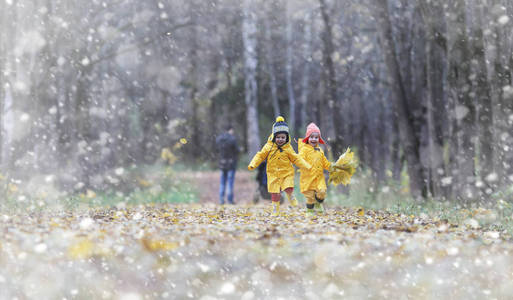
288,71
502,91
249,39
464,108
432,13
410,145
507,103
328,77
485,107
10,73
3,63
382,130
193,80
270,68
305,80
213,117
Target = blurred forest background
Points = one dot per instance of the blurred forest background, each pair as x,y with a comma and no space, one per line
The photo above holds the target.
419,89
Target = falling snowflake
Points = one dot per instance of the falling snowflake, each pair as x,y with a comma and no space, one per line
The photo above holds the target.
503,20
446,181
227,289
24,117
86,223
492,177
119,171
85,61
460,112
40,248
452,251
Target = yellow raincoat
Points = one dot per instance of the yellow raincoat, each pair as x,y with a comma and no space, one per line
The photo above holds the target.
280,171
313,179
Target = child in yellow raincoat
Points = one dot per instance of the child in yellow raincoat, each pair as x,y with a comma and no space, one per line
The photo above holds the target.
312,182
280,156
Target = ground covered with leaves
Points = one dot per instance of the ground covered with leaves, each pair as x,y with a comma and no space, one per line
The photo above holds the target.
240,252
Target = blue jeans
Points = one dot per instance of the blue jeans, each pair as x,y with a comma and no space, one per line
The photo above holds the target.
227,179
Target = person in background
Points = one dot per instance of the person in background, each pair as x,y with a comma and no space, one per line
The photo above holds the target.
280,156
228,151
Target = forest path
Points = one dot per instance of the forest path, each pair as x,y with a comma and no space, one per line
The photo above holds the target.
206,183
208,251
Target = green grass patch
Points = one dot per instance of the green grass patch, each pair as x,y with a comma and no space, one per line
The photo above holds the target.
153,184
138,185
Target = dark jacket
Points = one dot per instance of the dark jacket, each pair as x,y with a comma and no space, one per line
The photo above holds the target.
228,152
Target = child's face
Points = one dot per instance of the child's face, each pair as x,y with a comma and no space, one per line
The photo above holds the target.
281,138
313,139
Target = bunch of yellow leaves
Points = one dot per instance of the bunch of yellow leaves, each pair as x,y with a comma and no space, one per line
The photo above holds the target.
343,169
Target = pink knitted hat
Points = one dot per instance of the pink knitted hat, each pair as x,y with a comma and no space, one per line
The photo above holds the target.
311,128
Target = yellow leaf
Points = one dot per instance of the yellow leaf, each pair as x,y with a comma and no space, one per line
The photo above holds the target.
361,212
183,141
13,188
81,250
142,182
156,245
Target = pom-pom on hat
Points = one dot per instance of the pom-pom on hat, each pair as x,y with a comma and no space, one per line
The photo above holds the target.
280,127
311,128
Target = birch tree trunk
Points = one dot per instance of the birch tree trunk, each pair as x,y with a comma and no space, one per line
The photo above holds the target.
8,73
249,40
410,145
3,71
270,68
305,80
288,71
